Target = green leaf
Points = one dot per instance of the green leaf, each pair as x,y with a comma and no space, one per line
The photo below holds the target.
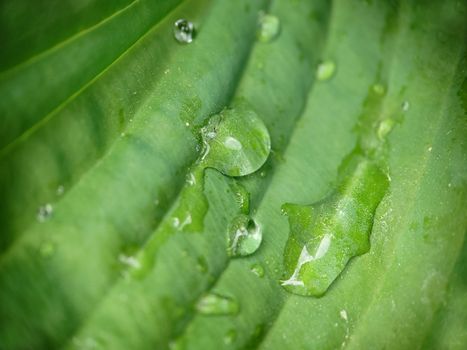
142,179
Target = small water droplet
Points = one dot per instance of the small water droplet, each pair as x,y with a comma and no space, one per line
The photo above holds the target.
343,314
44,212
216,304
262,173
430,149
405,106
269,27
244,236
130,261
230,336
385,127
325,70
60,190
184,31
379,89
258,270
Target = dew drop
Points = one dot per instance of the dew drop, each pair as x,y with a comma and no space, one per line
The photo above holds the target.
230,336
385,127
44,212
129,261
244,236
235,142
60,190
269,27
184,31
343,314
216,304
325,70
405,106
258,270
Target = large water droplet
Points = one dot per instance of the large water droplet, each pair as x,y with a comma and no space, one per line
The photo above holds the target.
326,235
269,27
184,31
236,142
325,70
216,304
244,236
44,212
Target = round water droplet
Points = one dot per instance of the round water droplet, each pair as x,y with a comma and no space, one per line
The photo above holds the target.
60,190
269,27
216,304
405,106
244,236
236,142
184,31
44,212
230,336
325,70
258,270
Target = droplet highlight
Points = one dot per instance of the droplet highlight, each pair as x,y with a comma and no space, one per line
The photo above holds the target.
269,27
44,212
244,236
184,31
215,304
325,70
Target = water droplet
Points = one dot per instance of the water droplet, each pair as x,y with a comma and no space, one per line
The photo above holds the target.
405,106
430,149
385,127
47,249
230,336
325,70
343,315
262,174
244,237
44,212
60,190
379,89
236,142
326,235
184,31
129,261
216,304
269,27
258,270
